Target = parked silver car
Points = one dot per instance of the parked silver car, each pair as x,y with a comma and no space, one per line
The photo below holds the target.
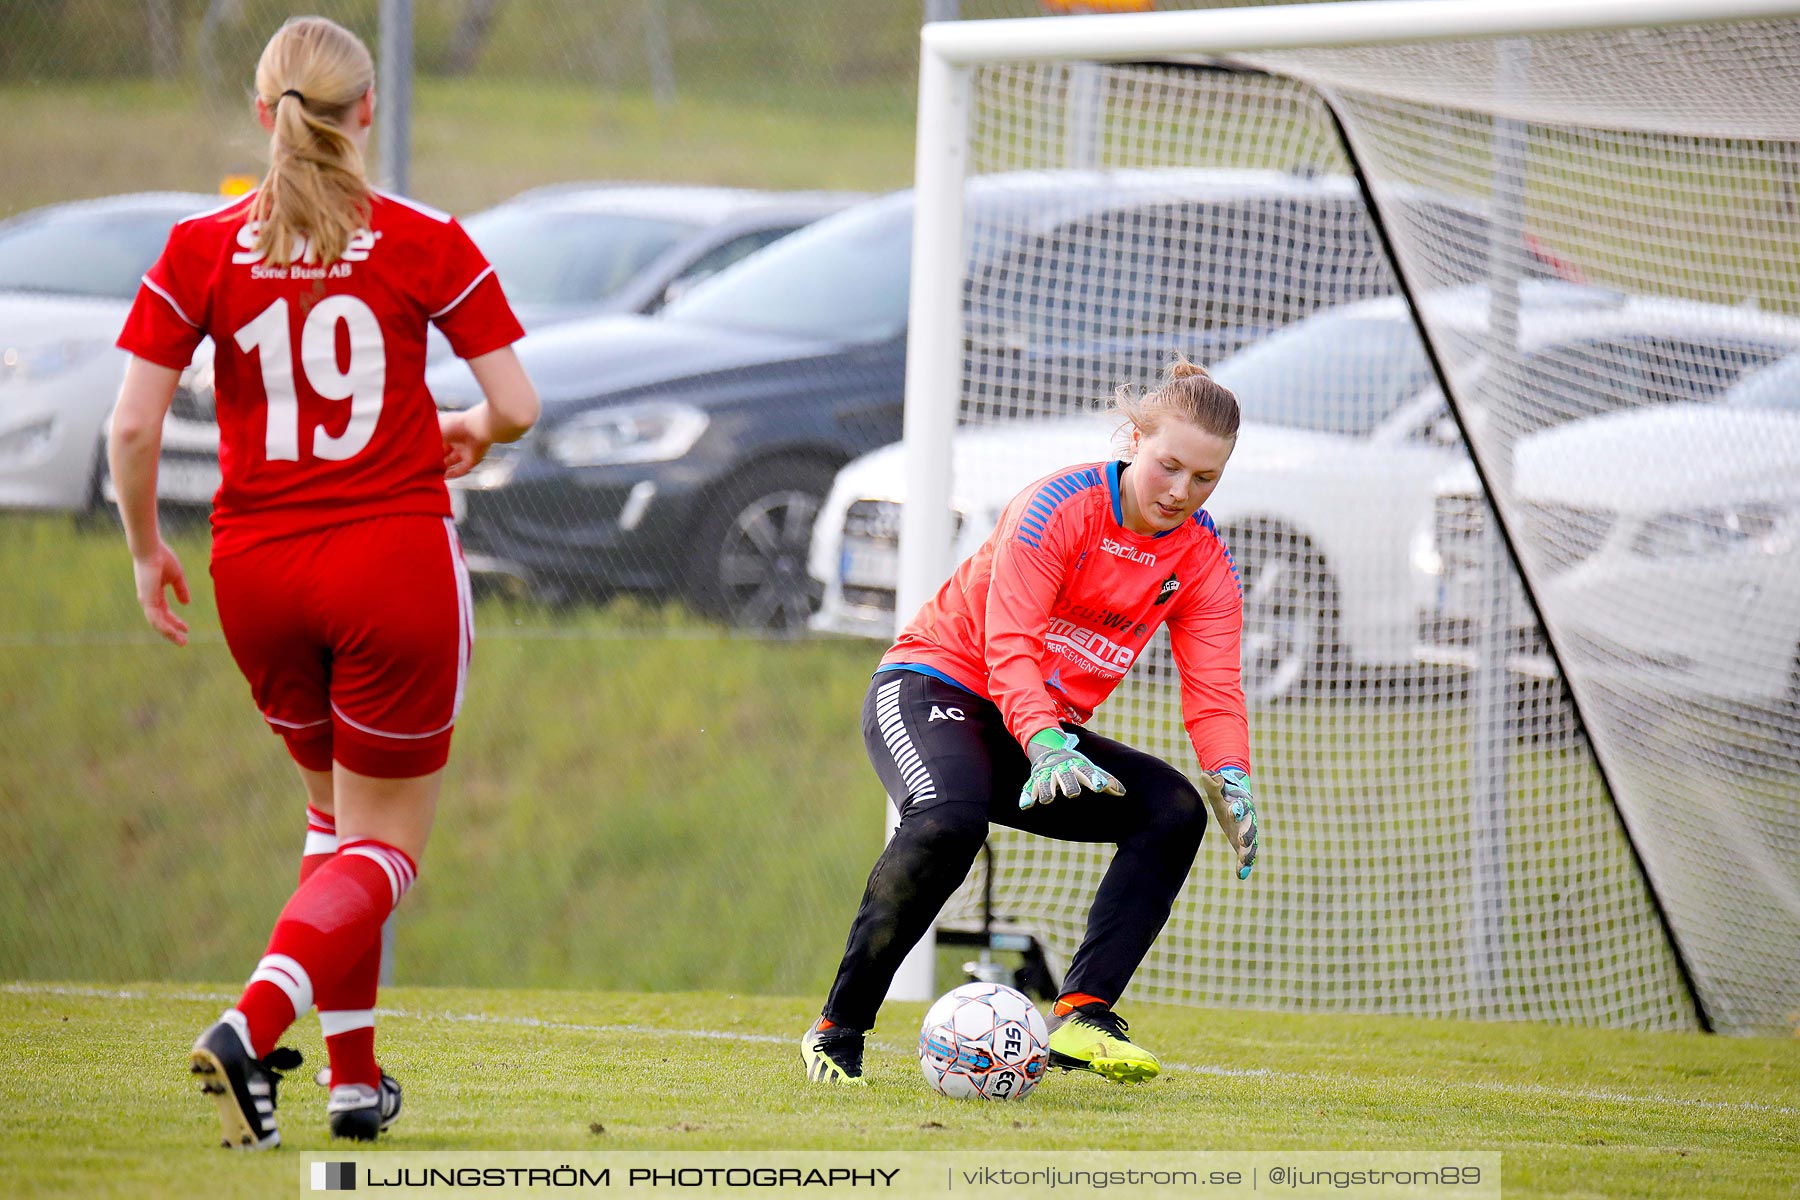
581,249
68,273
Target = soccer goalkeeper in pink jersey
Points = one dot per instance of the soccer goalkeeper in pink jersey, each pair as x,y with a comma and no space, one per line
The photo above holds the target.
974,717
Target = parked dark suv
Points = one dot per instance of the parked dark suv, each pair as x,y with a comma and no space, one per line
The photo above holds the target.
689,452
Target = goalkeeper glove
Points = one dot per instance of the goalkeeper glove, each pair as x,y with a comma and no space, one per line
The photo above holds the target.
1057,766
1235,784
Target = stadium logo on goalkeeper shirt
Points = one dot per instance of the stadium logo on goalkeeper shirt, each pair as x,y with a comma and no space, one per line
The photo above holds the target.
334,1177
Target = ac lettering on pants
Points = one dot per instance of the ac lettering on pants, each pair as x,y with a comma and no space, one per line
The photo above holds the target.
939,713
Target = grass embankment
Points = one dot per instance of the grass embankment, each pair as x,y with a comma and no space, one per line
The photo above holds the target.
479,140
1575,1113
635,800
475,142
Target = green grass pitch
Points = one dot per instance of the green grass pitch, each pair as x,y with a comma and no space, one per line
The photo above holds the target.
96,1101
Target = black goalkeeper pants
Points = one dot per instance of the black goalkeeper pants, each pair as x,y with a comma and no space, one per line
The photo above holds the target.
950,766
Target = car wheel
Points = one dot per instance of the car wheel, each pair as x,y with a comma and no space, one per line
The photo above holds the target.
1290,612
750,564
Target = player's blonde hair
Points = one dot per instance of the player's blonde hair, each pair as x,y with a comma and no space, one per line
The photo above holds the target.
311,74
1187,392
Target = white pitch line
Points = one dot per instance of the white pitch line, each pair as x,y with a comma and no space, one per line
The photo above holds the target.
31,989
573,1027
95,993
1479,1085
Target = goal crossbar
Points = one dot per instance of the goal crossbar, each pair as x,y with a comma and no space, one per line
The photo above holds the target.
1124,37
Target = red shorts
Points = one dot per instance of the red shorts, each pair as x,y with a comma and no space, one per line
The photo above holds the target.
355,640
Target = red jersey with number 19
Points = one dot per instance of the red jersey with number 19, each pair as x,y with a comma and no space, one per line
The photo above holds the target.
319,371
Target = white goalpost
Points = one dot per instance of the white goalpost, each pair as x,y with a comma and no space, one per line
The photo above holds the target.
1507,291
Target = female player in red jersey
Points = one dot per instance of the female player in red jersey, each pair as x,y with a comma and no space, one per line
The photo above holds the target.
972,718
340,582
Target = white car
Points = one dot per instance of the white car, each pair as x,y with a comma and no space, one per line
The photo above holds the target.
68,274
1665,541
1311,560
1330,492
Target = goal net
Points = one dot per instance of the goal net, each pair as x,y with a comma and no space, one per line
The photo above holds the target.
1516,502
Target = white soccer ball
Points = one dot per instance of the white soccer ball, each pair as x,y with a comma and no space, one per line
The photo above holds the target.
984,1041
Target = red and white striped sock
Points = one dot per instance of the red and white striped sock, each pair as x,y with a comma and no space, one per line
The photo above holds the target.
347,1018
324,932
321,842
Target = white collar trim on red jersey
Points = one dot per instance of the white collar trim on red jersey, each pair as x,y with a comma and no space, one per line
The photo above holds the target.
425,210
213,212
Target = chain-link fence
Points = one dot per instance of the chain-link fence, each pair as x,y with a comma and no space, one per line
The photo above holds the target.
658,780
655,783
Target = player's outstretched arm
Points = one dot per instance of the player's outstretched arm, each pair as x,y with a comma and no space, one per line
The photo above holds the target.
1206,634
133,446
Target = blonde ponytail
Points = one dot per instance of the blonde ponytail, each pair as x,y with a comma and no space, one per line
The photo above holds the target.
310,77
1187,392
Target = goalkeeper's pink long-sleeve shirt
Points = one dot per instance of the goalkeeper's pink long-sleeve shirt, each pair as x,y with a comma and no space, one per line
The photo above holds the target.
1048,615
